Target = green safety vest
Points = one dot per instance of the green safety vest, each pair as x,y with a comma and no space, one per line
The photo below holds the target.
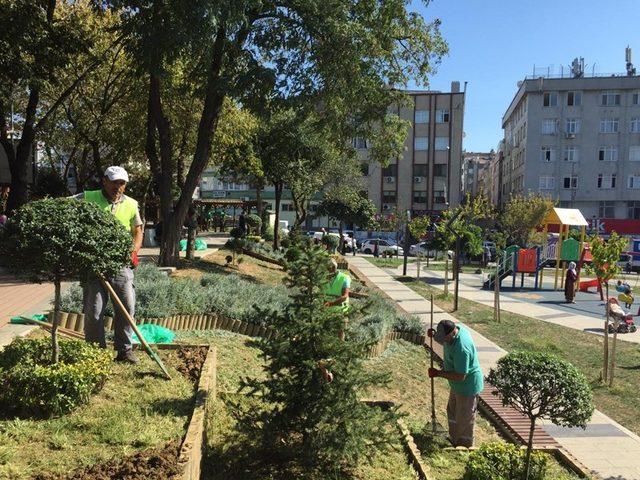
125,211
334,289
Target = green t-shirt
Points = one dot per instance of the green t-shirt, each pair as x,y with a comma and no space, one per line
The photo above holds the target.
461,357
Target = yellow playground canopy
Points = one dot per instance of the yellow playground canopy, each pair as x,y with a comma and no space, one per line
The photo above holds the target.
565,218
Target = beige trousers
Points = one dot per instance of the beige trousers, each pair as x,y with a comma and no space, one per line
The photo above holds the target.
461,414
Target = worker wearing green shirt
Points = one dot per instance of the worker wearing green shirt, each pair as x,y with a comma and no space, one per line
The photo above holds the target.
462,370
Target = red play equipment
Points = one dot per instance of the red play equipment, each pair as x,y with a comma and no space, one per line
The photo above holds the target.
585,286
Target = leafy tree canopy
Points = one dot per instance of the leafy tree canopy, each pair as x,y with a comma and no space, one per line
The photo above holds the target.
523,214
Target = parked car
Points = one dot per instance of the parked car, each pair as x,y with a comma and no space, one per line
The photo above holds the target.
418,247
348,241
383,246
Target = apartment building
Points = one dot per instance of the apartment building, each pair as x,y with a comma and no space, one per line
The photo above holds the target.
476,177
576,139
426,179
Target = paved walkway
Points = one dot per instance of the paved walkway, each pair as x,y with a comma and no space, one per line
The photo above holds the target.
529,302
607,448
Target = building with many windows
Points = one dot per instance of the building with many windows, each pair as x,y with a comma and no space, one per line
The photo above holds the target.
576,139
427,177
476,173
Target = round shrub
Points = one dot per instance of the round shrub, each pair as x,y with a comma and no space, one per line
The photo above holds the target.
503,461
331,242
31,386
268,233
237,232
254,238
254,222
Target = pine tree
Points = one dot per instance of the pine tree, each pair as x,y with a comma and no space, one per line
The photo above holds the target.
309,417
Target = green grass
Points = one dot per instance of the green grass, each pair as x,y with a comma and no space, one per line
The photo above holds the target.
136,410
584,350
409,387
388,262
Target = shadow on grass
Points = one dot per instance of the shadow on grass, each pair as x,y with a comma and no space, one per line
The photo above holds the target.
430,442
173,406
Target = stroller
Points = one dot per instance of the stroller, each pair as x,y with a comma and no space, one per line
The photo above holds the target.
624,320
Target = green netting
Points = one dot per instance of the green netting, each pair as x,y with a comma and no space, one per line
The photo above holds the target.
21,321
154,334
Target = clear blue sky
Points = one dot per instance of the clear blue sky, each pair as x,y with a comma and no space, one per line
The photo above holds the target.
495,43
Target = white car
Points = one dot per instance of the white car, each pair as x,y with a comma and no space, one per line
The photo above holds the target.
421,247
383,246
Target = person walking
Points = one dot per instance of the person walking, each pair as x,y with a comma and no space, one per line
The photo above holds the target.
111,198
570,283
462,370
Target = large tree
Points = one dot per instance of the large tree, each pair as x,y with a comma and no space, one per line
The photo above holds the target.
522,215
39,40
342,56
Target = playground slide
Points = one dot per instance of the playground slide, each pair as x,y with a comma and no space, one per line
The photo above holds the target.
585,286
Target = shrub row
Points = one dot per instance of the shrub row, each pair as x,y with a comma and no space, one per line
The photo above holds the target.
31,386
229,295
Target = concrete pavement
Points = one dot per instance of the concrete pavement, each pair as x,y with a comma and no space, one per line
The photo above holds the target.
610,450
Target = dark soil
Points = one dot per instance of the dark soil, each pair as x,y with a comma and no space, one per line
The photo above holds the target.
190,361
161,463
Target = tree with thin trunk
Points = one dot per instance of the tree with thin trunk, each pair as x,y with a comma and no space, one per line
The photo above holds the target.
605,267
419,226
63,239
542,386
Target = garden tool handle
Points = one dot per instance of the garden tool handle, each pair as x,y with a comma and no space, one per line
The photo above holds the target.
132,322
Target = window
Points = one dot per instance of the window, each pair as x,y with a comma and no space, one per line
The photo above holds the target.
635,99
422,116
550,99
360,143
634,181
421,143
608,154
570,154
390,170
442,116
388,196
547,154
420,170
633,210
606,181
634,125
634,153
608,99
287,207
440,170
574,99
607,209
549,126
546,182
419,197
573,125
609,125
442,143
570,181
439,197
364,168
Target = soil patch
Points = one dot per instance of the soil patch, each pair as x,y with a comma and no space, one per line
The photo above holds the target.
149,464
190,361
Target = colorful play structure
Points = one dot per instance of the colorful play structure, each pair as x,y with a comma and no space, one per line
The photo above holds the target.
556,226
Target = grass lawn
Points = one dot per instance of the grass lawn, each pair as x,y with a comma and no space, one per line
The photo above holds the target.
584,350
388,262
250,268
409,387
437,266
136,410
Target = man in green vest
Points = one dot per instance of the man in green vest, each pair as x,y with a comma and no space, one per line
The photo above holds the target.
111,198
337,291
462,370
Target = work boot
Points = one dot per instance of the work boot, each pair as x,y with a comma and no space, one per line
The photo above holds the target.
127,356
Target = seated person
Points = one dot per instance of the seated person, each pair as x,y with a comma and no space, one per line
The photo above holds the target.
623,287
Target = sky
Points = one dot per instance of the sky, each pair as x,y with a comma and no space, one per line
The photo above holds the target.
495,43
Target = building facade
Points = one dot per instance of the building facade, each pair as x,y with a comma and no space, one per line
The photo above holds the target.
576,139
427,178
476,169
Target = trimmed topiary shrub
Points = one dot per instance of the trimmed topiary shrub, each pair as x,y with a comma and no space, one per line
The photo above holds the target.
254,238
254,222
56,239
331,242
30,385
503,461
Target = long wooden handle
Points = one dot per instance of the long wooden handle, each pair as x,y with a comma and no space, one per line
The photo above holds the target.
433,395
132,322
63,331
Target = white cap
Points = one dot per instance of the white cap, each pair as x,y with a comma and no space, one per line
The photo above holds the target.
116,173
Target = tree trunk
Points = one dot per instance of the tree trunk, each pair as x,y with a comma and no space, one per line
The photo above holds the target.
527,458
56,320
259,207
613,353
190,243
418,263
340,240
276,226
605,370
446,273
